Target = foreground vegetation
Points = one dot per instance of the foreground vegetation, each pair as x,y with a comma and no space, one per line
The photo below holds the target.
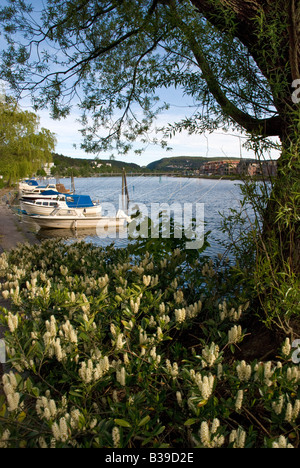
110,348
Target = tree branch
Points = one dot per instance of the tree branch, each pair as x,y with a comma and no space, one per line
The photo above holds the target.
266,127
294,42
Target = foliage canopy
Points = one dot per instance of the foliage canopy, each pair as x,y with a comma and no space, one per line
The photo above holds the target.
113,56
23,147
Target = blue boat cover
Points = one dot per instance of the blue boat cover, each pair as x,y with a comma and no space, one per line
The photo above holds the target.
51,192
79,201
31,182
73,201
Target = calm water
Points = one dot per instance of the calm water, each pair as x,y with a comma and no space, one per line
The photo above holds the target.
217,196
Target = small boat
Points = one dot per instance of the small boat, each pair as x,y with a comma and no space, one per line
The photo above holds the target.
47,194
45,206
76,219
31,189
28,184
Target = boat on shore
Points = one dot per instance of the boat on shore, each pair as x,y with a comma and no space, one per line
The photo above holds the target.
77,219
45,206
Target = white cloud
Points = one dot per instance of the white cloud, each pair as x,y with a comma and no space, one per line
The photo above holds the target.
217,144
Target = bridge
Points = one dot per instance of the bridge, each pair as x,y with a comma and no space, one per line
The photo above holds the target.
141,174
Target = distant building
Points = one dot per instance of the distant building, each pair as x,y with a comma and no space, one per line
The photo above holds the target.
47,168
96,164
100,164
221,167
269,168
252,168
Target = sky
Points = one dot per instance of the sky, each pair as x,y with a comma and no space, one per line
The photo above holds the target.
217,144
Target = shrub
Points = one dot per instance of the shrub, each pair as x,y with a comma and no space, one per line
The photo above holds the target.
108,349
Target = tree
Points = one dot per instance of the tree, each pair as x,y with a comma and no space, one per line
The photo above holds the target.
23,148
238,59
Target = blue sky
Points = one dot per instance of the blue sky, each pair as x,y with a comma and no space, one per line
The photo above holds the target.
218,144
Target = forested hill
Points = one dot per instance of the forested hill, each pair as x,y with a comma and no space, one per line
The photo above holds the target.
67,166
181,163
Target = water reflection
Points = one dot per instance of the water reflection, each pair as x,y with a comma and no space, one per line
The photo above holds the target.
103,236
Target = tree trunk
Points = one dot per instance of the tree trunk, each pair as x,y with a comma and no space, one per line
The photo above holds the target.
270,31
281,230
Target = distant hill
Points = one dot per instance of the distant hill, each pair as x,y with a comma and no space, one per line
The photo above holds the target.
77,167
181,163
65,165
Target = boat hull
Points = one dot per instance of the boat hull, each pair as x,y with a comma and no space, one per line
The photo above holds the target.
61,222
33,209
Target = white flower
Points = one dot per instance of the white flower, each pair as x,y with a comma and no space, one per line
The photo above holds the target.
239,400
178,296
146,280
4,439
64,270
179,398
237,438
282,443
121,376
209,437
119,342
5,294
244,371
204,434
9,386
286,348
180,315
116,437
13,400
235,334
210,354
12,322
60,431
278,405
206,386
172,369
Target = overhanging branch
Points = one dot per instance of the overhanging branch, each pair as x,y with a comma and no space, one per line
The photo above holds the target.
266,127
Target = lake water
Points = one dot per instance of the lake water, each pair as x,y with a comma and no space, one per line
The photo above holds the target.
218,196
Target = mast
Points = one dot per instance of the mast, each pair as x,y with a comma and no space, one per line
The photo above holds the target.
125,193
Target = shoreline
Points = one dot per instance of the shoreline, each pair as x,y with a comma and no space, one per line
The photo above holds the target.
12,230
12,233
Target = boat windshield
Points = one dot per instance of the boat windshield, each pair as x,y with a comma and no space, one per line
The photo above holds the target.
62,212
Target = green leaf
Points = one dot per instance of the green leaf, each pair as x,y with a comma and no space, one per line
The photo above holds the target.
144,421
76,393
21,417
3,410
122,422
28,385
190,422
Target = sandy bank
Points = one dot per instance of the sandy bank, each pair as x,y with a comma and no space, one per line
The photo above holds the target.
12,230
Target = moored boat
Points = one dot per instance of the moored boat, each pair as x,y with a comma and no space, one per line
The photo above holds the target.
30,188
45,206
74,218
47,194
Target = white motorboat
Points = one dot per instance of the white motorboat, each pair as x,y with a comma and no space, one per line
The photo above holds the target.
31,187
77,219
47,194
45,205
